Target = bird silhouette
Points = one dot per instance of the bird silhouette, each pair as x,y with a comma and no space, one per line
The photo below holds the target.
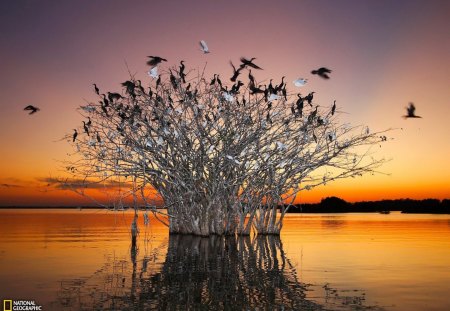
75,134
235,73
155,60
114,96
182,74
309,98
322,72
32,109
333,109
204,46
97,91
86,128
249,63
410,111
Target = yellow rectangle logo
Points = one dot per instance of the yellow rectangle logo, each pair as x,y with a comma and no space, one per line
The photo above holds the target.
7,305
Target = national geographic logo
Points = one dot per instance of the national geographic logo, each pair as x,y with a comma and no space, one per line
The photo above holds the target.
21,305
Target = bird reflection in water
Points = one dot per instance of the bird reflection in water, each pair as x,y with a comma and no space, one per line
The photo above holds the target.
215,273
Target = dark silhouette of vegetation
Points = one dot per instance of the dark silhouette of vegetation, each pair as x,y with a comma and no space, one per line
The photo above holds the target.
338,205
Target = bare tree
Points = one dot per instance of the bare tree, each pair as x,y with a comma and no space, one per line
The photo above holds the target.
223,158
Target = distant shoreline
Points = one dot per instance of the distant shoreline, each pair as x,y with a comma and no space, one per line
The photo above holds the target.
328,205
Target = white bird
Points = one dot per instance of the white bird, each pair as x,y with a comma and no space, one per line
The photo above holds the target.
204,46
300,82
228,97
153,72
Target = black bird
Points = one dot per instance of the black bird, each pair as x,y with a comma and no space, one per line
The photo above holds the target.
173,80
86,128
322,72
235,72
155,60
139,86
32,109
309,98
219,81
213,80
105,101
130,85
255,90
182,74
410,111
158,81
235,88
299,104
333,109
251,77
75,134
114,96
97,91
249,63
98,138
89,123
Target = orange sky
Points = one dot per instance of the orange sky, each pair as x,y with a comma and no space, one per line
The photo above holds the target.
383,54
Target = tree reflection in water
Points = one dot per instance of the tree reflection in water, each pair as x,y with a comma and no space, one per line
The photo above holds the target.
215,273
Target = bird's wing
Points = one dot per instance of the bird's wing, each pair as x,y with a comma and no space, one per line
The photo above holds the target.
29,107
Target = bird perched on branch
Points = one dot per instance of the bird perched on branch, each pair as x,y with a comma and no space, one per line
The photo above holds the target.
333,109
309,98
249,63
322,72
114,96
410,111
97,91
74,136
204,46
32,109
155,60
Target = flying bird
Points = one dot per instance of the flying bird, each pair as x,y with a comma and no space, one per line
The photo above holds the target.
322,72
300,82
155,60
235,72
32,109
204,47
249,63
410,111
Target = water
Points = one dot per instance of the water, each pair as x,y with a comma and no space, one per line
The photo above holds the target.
82,260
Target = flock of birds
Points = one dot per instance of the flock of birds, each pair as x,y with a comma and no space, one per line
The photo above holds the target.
270,91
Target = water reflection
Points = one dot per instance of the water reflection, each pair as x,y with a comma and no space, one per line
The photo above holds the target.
215,273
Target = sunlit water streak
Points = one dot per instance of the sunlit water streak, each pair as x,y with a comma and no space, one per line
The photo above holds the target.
81,260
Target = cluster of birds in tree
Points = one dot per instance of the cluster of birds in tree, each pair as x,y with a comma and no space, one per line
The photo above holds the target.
270,91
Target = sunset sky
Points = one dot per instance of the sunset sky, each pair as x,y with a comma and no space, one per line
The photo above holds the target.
384,54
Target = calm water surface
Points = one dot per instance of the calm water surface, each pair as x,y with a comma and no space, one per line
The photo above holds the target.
82,260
